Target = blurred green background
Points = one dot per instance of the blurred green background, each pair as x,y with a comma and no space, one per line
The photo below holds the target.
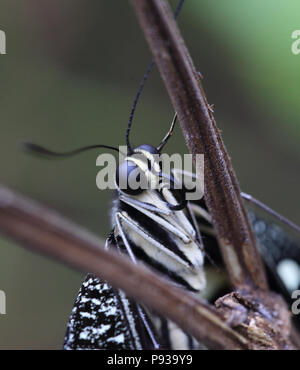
69,78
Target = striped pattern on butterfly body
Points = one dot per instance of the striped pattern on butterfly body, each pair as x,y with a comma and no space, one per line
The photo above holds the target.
147,229
167,240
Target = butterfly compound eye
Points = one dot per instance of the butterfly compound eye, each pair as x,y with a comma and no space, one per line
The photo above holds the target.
128,178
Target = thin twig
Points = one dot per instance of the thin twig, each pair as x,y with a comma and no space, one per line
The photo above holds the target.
222,193
48,233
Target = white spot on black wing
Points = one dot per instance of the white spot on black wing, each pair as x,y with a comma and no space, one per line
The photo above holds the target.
97,321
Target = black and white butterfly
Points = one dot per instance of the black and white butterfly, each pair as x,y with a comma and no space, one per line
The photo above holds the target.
170,234
155,227
160,228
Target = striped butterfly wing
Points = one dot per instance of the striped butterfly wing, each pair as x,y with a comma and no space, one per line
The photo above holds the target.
117,322
278,243
104,318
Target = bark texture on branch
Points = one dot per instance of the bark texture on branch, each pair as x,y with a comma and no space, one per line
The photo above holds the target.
222,193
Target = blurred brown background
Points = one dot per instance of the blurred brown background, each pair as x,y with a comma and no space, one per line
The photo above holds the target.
69,78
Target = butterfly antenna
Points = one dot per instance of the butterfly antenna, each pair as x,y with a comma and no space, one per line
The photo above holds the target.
39,150
141,86
136,99
168,135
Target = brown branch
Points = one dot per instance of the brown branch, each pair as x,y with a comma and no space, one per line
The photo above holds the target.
46,232
222,193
